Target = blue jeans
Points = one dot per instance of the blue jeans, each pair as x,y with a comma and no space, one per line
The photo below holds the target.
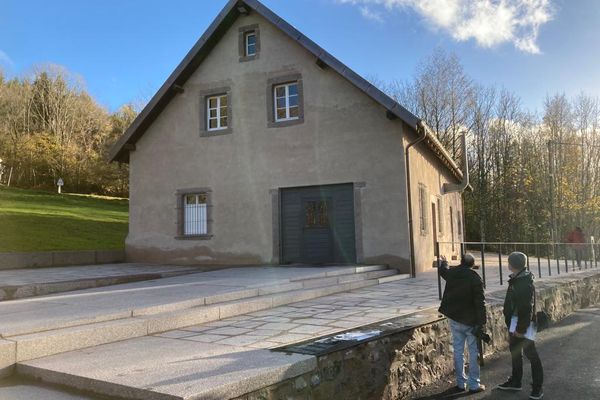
460,334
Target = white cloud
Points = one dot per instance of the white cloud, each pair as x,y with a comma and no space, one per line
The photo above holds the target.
5,59
488,22
368,13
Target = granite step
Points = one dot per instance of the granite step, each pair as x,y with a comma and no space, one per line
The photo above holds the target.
31,342
156,368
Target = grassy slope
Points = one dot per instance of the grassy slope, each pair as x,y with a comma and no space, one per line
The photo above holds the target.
42,221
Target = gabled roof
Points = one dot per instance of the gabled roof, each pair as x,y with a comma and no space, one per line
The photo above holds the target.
232,10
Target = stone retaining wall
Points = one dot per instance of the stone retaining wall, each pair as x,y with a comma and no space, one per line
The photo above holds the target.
59,258
392,367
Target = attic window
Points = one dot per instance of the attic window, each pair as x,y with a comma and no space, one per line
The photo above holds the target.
249,42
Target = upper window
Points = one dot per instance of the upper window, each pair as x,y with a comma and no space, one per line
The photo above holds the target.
217,115
250,43
287,104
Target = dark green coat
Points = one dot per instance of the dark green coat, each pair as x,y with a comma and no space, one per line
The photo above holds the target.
519,300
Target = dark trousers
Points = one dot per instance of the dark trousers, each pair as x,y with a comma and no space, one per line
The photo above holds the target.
518,346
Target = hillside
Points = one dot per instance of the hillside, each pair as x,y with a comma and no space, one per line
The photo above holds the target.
41,221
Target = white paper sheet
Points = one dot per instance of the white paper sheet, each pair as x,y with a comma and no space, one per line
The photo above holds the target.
531,330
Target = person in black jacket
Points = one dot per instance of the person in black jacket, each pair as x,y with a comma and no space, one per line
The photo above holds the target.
519,314
464,305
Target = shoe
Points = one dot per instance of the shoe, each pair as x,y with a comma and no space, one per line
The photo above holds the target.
455,390
480,389
509,385
536,394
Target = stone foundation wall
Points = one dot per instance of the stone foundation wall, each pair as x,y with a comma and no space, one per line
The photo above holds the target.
392,367
59,258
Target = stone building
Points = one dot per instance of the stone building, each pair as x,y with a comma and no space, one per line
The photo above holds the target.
262,148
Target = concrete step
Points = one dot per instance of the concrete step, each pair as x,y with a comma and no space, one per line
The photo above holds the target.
58,340
63,333
393,278
155,368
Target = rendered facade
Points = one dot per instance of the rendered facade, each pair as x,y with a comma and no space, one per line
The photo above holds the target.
261,148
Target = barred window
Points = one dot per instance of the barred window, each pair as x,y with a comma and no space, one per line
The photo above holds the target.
195,216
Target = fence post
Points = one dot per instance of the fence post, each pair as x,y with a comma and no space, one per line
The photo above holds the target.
557,261
566,251
500,262
594,255
549,264
527,253
483,264
439,263
538,259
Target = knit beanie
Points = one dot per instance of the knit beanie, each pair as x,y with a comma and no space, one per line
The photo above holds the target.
517,260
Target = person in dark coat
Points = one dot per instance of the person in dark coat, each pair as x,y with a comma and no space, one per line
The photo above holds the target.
519,311
464,305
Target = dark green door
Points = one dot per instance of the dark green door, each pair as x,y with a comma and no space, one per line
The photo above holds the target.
318,224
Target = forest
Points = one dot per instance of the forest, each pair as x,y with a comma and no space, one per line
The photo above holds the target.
51,128
535,175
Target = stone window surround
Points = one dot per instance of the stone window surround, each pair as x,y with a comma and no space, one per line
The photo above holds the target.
203,107
279,80
358,222
180,195
254,28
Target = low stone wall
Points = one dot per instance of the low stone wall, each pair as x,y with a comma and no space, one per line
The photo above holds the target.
59,258
393,367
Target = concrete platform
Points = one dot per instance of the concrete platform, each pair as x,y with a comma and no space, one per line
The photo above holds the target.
24,283
154,368
19,389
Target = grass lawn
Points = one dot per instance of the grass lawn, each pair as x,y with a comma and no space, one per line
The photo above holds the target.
42,221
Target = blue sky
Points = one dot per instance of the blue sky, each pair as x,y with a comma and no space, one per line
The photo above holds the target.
125,49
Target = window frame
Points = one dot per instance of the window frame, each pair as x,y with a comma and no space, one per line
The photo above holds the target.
287,106
204,112
247,36
218,109
279,81
181,196
423,208
243,33
440,212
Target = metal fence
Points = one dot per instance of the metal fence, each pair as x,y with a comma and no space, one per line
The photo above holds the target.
543,259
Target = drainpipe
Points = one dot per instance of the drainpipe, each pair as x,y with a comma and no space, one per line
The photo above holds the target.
423,129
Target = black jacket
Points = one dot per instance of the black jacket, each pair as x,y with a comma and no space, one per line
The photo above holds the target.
464,298
519,300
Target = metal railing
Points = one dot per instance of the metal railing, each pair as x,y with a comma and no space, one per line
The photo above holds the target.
544,258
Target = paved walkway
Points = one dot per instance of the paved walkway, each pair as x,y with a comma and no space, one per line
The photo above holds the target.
570,360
